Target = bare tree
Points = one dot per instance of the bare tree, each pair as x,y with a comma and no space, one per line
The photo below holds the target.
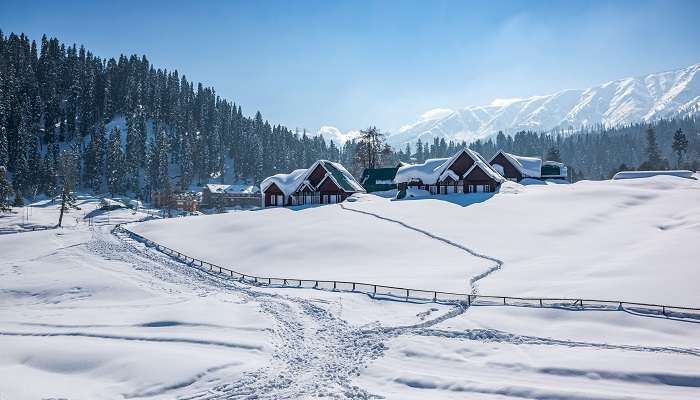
370,148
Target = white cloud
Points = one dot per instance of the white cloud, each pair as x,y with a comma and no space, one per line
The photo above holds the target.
436,113
332,133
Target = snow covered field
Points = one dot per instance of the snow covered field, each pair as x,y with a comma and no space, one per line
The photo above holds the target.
87,314
630,240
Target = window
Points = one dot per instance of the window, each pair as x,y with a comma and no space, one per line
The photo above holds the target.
433,189
334,199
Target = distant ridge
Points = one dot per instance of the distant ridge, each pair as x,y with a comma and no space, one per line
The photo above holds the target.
624,101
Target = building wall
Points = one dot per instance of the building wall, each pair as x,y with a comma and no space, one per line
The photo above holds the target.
461,164
317,175
509,170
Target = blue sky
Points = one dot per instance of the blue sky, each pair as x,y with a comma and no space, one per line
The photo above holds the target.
349,64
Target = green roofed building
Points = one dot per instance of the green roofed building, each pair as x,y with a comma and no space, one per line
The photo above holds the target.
379,179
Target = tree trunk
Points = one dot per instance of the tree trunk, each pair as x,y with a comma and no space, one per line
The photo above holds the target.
63,207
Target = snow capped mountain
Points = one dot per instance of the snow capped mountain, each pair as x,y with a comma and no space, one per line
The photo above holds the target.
646,98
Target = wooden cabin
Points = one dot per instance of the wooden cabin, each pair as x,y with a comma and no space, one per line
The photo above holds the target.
516,168
379,179
325,182
464,172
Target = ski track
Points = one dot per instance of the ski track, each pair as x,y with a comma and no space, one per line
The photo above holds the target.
473,281
316,354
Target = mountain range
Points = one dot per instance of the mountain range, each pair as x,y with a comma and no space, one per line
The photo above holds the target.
624,101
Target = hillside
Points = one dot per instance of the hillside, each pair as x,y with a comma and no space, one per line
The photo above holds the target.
630,100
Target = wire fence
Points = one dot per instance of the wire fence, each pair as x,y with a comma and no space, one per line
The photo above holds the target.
423,296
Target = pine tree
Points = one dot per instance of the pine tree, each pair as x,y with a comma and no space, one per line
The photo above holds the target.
680,145
115,163
5,190
653,155
553,154
419,151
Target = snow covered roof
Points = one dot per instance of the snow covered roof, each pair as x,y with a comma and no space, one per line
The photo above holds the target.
432,170
427,172
648,174
341,176
287,183
290,183
527,166
219,188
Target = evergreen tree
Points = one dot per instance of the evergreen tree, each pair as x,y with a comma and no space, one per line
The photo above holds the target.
5,190
680,145
653,155
553,154
115,163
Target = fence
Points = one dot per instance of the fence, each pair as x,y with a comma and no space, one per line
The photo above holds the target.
425,296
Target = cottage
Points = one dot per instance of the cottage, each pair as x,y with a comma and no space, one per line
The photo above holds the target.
325,182
465,172
379,179
516,168
214,195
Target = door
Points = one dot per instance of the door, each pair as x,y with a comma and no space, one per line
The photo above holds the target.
334,199
479,188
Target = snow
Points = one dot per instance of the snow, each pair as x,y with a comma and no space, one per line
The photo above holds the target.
625,101
427,172
82,317
221,188
600,240
434,169
85,313
499,353
528,166
289,183
647,174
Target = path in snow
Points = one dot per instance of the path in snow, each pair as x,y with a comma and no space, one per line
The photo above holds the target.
316,353
473,281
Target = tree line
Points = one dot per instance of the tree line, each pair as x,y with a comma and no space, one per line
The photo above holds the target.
124,126
56,98
592,153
